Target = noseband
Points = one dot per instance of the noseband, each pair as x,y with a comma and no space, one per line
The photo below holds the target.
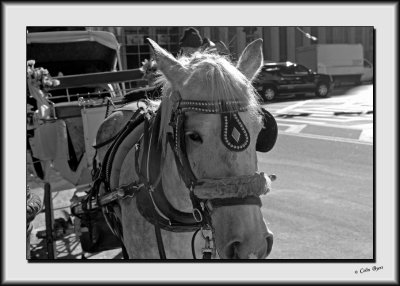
207,194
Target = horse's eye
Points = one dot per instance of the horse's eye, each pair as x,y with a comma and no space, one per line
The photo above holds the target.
194,136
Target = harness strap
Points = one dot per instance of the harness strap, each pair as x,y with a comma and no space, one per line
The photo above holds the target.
126,107
102,144
104,177
136,119
145,179
123,192
251,200
186,173
160,243
124,252
182,164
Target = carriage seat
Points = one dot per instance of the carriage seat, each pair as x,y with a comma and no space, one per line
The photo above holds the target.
73,108
67,109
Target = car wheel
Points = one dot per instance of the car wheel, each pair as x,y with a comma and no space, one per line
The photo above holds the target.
322,90
269,93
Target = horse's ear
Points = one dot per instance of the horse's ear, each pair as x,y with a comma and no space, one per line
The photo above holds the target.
168,65
251,59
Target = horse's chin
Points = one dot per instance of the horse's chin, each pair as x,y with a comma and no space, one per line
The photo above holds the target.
251,255
241,233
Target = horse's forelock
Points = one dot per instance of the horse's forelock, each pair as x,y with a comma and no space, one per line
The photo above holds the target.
218,78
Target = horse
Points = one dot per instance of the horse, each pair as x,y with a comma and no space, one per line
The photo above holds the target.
187,181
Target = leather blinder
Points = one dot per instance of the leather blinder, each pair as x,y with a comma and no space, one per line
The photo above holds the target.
269,133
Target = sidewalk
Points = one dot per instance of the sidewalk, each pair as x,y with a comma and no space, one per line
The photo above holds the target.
69,246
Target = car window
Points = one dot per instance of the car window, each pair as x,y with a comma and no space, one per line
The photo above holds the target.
300,70
270,69
287,70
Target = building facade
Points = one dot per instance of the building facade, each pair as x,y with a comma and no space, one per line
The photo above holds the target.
280,43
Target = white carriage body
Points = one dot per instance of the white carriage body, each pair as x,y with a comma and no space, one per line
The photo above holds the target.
90,87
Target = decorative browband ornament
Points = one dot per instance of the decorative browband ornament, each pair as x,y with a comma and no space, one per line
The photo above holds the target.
234,134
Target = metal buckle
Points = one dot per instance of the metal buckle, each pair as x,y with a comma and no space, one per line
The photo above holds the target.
203,235
120,193
208,247
198,217
151,188
208,206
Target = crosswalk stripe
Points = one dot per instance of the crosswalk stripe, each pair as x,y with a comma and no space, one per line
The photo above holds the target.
291,107
329,138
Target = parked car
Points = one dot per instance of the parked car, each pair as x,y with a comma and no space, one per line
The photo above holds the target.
288,78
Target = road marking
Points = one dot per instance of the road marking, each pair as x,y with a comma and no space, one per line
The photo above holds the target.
294,128
319,122
328,138
363,126
290,107
324,117
367,134
324,113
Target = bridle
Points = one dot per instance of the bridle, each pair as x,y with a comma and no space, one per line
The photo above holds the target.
208,194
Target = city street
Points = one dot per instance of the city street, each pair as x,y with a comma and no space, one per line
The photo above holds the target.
321,205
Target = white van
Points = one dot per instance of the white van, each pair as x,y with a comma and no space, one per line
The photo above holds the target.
344,62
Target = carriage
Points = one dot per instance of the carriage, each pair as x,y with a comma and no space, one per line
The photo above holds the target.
138,164
87,87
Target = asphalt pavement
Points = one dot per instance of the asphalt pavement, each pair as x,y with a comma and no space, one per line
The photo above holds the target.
321,205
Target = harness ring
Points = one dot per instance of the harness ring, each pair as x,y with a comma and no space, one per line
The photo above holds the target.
198,217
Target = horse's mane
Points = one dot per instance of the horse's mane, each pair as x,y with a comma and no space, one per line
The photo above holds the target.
220,80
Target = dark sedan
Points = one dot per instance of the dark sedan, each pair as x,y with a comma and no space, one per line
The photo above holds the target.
288,78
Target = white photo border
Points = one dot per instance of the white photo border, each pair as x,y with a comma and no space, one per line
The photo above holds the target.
384,17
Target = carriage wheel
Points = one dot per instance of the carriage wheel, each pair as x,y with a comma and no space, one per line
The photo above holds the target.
49,216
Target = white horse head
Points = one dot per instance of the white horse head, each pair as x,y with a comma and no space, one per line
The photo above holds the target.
205,78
